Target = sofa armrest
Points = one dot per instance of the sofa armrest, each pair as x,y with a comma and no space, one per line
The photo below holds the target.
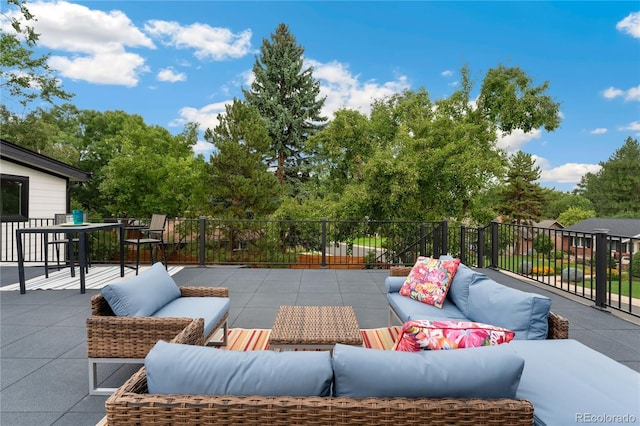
130,337
192,334
558,327
400,271
187,291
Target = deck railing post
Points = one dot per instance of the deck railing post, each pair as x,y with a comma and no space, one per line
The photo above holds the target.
602,254
445,237
494,244
203,239
480,250
324,243
423,240
463,244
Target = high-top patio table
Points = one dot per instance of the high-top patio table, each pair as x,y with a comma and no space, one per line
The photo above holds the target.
314,327
82,230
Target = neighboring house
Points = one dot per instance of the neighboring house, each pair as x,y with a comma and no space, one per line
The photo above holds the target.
549,227
579,238
32,186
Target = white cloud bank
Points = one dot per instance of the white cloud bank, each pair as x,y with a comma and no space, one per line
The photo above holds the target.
96,40
209,43
632,94
98,43
630,25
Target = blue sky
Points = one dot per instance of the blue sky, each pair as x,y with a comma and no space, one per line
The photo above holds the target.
178,61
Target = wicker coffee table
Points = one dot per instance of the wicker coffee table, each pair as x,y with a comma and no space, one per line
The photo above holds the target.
314,327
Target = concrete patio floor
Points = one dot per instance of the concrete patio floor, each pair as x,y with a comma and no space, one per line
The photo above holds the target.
43,360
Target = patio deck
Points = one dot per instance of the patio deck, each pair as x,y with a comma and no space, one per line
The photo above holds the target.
43,360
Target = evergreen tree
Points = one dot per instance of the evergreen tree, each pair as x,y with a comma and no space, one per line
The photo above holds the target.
241,187
615,189
286,96
522,197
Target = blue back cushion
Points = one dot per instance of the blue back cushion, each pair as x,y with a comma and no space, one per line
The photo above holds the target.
485,372
459,289
524,313
143,294
174,368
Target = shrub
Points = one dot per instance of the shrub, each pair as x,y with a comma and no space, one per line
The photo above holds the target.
558,254
613,273
543,244
543,270
635,265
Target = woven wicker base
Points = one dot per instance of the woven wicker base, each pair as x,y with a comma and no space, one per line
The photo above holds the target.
314,327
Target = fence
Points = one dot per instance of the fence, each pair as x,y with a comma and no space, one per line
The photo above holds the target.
596,266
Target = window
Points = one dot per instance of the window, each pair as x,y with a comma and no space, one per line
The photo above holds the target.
14,199
584,242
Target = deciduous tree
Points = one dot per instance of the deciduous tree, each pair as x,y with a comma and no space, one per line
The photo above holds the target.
24,76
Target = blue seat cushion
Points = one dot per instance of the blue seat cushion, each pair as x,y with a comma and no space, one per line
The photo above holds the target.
464,373
143,294
565,379
524,313
410,309
211,309
174,368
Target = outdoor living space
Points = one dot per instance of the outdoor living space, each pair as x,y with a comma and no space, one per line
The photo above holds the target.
44,375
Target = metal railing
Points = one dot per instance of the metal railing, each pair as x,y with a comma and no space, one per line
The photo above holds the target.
596,266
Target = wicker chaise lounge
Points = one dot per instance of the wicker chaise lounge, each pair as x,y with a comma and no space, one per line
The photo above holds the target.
131,404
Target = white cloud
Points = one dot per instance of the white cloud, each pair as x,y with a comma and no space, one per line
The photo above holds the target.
632,94
168,74
612,92
121,68
97,39
202,147
207,116
344,90
630,25
446,73
598,131
76,28
208,42
634,126
566,173
517,139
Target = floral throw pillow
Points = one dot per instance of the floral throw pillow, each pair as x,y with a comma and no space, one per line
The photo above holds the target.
417,335
429,280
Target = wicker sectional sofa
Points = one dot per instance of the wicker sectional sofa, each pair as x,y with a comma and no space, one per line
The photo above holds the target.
549,380
132,404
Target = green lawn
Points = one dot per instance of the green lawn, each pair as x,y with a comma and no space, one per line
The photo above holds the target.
620,285
376,242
